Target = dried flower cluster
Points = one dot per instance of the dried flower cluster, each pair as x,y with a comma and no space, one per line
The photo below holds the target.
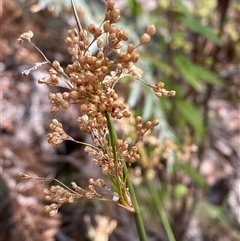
90,79
58,135
59,195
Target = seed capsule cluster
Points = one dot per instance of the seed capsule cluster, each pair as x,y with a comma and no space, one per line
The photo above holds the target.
58,135
90,81
59,195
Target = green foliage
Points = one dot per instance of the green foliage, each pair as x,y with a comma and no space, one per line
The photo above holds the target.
160,210
192,115
219,218
180,190
194,175
196,26
168,60
195,73
135,7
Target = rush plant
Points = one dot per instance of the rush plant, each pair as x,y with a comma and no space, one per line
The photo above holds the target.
89,81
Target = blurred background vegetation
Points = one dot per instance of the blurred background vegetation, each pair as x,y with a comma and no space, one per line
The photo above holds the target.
189,172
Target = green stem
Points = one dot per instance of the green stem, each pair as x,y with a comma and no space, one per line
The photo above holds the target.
112,141
112,134
137,214
160,209
154,194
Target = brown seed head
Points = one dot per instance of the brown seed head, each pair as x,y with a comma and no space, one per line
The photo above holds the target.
151,30
145,39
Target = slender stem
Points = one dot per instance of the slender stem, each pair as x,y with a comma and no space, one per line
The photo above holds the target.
76,18
160,209
112,141
112,134
154,194
137,214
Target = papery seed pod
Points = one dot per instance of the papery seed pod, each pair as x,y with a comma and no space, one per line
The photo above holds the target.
69,41
90,60
160,85
61,200
130,48
46,191
100,55
74,185
91,28
148,124
119,143
126,114
75,40
57,66
60,191
82,90
70,199
172,93
100,43
155,122
158,94
57,123
125,146
118,46
48,197
58,130
115,15
97,64
121,106
115,197
19,41
145,39
151,30
74,95
98,33
104,69
102,107
125,37
89,88
119,115
119,33
55,109
101,183
52,71
65,105
66,95
28,35
138,119
139,126
110,4
88,195
92,80
84,108
53,189
108,16
53,212
106,27
91,188
47,209
91,181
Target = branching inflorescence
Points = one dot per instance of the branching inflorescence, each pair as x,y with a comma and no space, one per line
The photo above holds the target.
90,81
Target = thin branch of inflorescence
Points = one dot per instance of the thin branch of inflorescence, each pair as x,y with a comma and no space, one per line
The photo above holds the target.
76,18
